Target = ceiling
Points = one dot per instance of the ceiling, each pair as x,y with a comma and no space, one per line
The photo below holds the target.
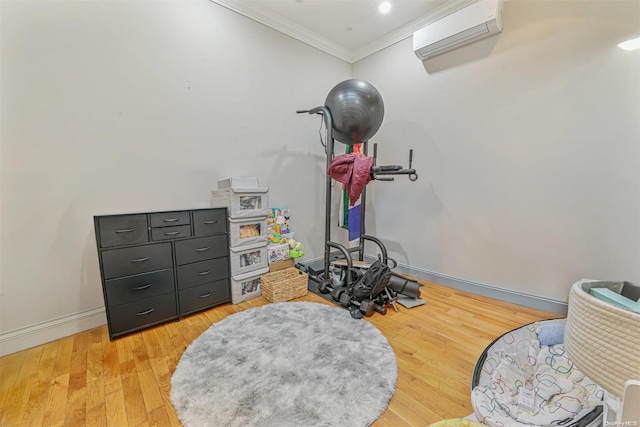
348,29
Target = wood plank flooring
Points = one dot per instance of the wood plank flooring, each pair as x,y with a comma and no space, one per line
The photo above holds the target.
87,380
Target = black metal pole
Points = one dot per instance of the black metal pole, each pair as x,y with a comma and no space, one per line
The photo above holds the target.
363,203
327,214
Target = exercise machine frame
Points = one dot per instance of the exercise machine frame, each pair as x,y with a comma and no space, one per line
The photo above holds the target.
381,173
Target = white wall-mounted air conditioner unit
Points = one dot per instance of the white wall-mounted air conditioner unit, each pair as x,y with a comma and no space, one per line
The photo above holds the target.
481,19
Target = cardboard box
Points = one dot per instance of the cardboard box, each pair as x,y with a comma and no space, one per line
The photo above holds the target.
279,265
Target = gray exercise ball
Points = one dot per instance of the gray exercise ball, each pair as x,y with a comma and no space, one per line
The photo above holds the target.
356,111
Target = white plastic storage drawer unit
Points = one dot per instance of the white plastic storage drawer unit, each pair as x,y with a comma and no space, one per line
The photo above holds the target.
242,202
246,286
246,231
244,259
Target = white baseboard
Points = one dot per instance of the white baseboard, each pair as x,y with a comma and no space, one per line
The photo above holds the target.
40,333
44,332
507,295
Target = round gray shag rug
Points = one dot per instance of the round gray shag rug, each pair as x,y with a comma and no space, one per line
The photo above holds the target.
285,364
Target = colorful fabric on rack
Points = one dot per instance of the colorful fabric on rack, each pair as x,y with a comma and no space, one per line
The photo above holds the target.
353,170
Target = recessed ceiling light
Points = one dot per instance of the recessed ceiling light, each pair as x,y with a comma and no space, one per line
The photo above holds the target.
632,44
384,7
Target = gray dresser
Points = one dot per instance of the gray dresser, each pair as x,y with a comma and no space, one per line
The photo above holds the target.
159,266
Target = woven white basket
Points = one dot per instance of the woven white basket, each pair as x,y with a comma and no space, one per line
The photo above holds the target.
602,340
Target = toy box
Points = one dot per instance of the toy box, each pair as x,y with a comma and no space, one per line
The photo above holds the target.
278,224
279,252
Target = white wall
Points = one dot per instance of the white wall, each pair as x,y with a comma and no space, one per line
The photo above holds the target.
115,107
527,145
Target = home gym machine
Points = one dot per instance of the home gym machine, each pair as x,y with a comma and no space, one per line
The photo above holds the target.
352,114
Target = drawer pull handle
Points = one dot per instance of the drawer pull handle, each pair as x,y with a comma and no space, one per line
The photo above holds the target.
205,295
213,221
125,230
171,233
145,312
141,288
170,219
206,248
140,259
204,273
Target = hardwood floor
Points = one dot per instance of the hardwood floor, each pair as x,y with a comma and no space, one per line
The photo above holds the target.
85,379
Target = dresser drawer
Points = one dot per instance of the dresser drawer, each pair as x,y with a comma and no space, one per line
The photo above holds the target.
136,260
167,219
202,272
140,286
201,248
122,230
209,221
203,296
140,313
165,233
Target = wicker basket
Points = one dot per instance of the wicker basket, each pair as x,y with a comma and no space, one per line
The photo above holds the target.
284,285
602,340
